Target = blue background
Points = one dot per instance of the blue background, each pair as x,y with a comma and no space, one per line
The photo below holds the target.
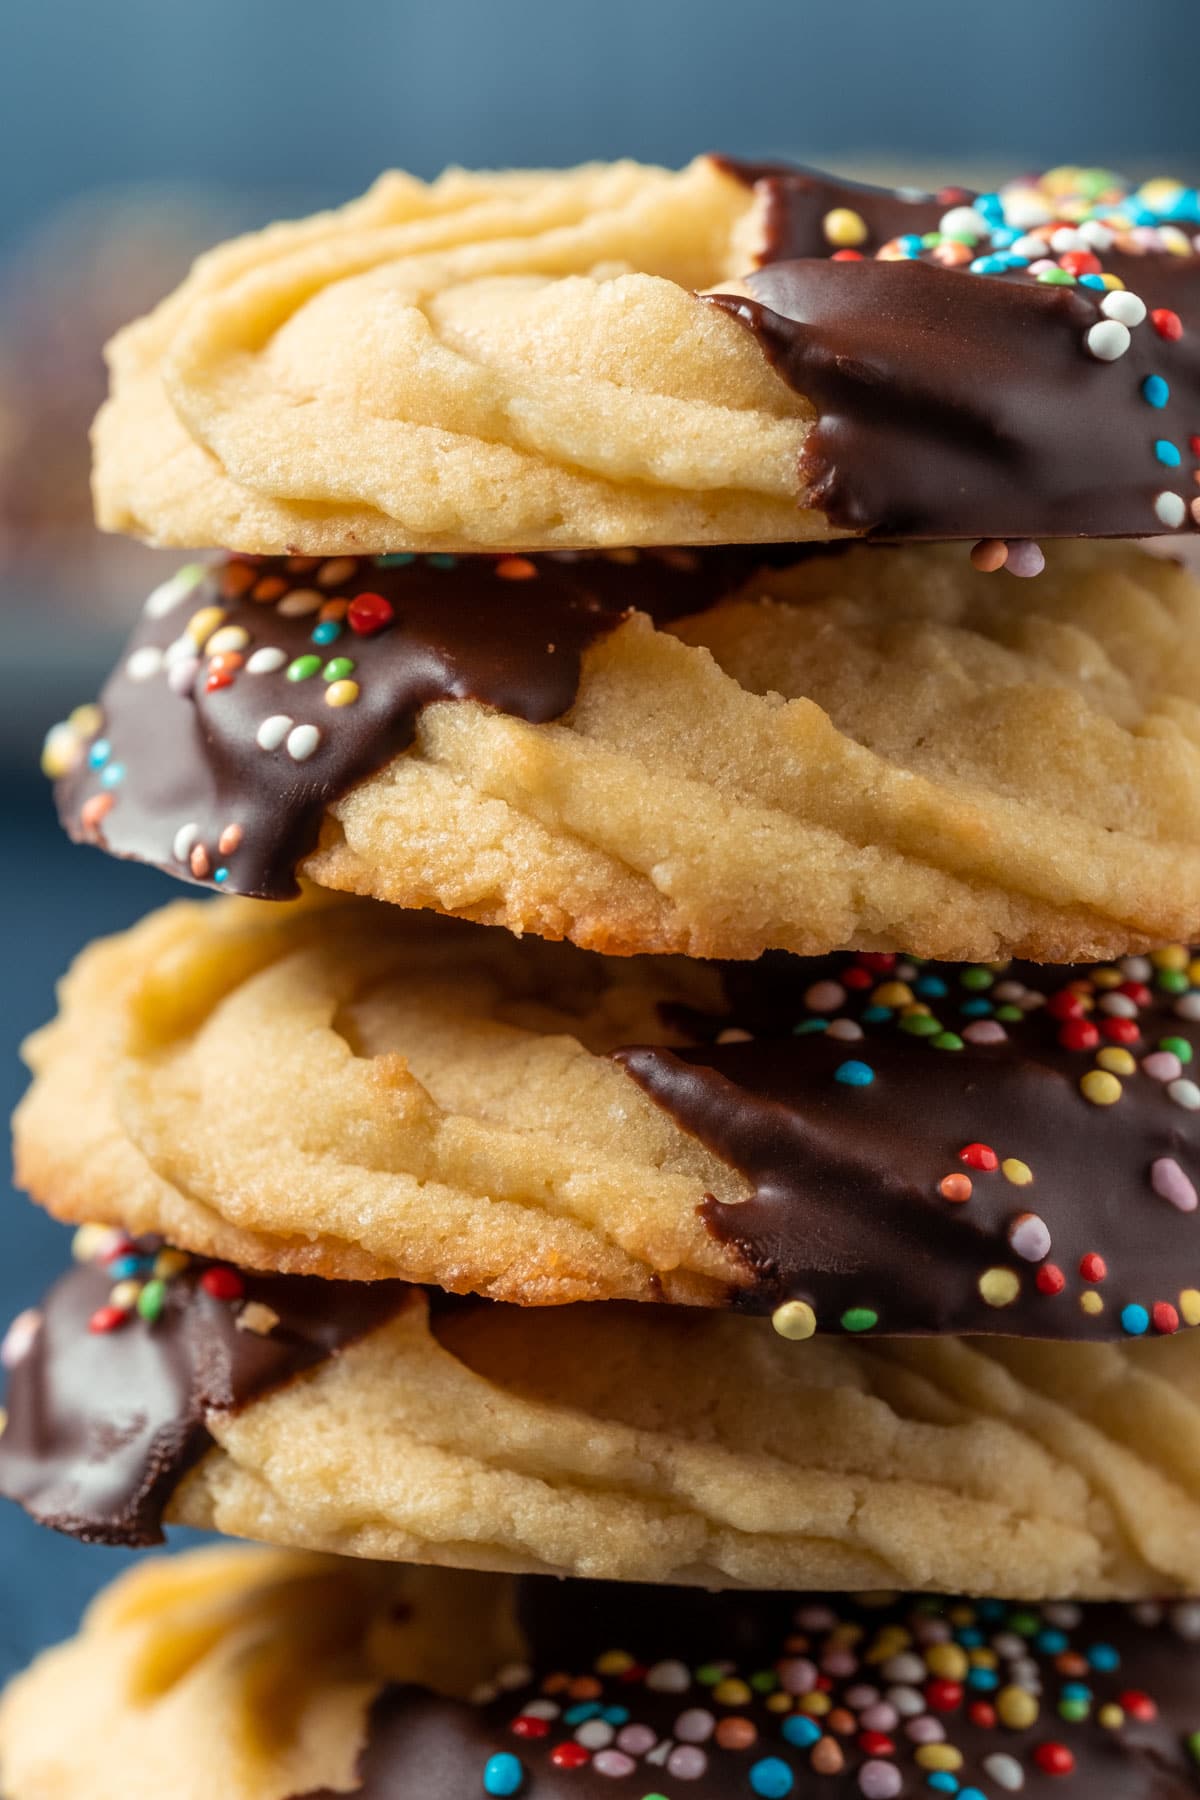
284,103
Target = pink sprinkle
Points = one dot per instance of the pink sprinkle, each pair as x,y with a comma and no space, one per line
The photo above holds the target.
926,1730
612,1762
861,1695
986,1031
1170,1183
687,1763
880,1781
815,1617
883,1717
636,1739
694,1725
1162,1065
1025,559
839,1662
797,1675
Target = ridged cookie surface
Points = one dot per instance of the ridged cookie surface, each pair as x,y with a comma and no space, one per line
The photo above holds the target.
882,748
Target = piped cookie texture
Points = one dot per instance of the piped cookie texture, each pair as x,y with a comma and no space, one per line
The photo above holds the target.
716,752
556,360
861,1144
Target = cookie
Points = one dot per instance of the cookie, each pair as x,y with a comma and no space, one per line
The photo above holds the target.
636,1443
247,1673
852,1144
884,748
531,359
739,1694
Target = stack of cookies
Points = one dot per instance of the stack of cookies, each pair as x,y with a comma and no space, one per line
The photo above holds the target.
698,1092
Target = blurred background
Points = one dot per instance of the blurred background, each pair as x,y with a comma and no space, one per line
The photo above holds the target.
135,133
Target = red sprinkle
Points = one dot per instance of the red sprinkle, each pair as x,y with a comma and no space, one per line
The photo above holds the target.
1093,1267
982,1715
1050,1279
1122,1031
979,1156
1080,262
847,256
1065,1005
1194,444
1165,1317
1137,991
1138,1705
369,613
569,1756
944,1696
1054,1759
1078,1034
856,978
1168,324
217,678
882,961
223,1284
516,568
107,1318
528,1726
876,1743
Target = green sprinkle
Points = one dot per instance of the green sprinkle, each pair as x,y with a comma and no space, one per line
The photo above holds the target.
1074,1711
151,1301
806,1027
1009,1014
708,1674
304,668
920,1025
1057,278
931,240
1025,1624
1172,981
1178,1047
338,667
1193,1744
977,979
765,1681
859,1318
946,1040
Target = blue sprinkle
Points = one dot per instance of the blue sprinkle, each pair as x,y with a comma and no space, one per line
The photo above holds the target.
1167,453
440,560
503,1775
910,244
579,1715
221,876
970,1637
801,1731
1053,1643
931,987
123,1267
1135,1320
99,753
327,632
1140,215
771,1778
971,1794
943,1782
990,207
989,265
1075,1690
1092,281
113,776
1104,1658
1155,391
855,1074
876,1015
991,1610
615,1715
978,1008
1013,261
396,560
806,1027
984,1681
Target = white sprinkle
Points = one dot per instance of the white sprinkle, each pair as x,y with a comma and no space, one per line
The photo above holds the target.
1023,212
1031,1000
1124,307
595,1734
1118,1006
1008,1644
541,1709
1188,1006
669,1678
1137,968
1185,1093
185,842
256,1317
1184,1617
1008,991
1005,1771
18,1339
266,661
1065,1614
181,651
847,1031
695,1725
145,663
1148,1613
1029,1237
299,603
907,1701
1107,340
824,996
302,742
963,221
1162,1065
229,637
1067,238
170,593
906,971
182,674
1095,235
1169,508
985,1031
1029,246
272,731
513,1675
905,1669
1171,1183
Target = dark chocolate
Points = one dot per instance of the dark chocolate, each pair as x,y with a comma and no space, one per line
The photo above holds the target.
174,773
953,404
849,1212
104,1423
646,1663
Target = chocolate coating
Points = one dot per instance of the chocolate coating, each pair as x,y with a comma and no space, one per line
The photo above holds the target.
953,404
420,1743
848,1212
178,749
102,1426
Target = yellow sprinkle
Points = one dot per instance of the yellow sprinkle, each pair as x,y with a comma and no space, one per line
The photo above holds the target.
845,1635
1091,1302
1116,1060
89,1241
86,719
1189,1306
1111,1717
1174,240
3,1420
732,1693
918,1010
1016,1707
999,1287
61,752
1101,1088
257,1318
1193,972
1112,282
938,1756
169,1263
1160,191
613,1662
125,1295
1171,956
1014,1170
795,1319
844,227
816,1704
1107,978
892,993
948,1660
202,624
342,693
984,1659
230,637
779,1703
